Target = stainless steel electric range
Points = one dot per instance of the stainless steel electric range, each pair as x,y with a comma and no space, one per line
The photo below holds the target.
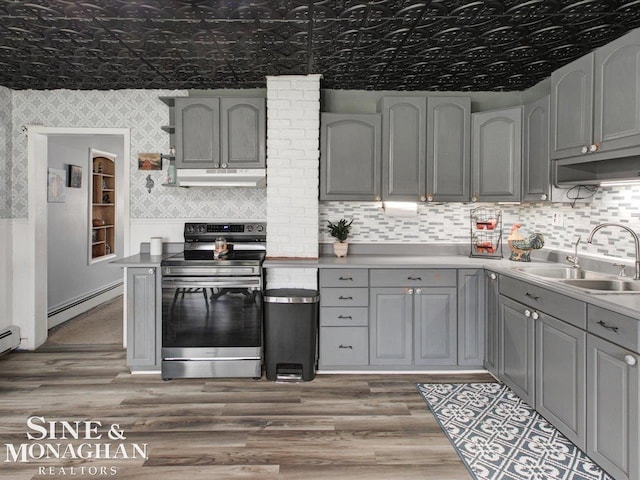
212,302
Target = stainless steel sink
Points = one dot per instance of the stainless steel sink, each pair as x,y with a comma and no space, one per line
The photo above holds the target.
562,273
605,285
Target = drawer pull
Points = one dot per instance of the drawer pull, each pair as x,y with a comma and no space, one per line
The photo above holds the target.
414,278
344,298
630,360
345,278
346,347
532,297
608,327
345,317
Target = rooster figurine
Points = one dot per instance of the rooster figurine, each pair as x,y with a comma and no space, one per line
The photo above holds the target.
521,247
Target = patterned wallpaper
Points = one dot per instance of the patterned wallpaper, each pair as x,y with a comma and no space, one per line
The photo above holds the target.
449,222
5,152
143,113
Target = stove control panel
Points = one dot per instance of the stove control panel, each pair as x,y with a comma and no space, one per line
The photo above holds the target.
204,231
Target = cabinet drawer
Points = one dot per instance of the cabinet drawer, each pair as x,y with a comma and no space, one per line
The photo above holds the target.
344,317
344,346
342,277
613,326
419,277
555,304
344,297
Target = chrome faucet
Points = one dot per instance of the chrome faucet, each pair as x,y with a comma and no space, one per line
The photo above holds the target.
573,261
635,239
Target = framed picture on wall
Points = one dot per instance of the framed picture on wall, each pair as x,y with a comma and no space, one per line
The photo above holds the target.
56,185
74,179
149,161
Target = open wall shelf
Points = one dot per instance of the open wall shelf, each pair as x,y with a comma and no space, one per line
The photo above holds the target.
102,199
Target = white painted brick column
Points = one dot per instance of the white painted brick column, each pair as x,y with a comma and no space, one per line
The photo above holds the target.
293,153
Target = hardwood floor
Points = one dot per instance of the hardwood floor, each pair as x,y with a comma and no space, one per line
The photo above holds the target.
335,427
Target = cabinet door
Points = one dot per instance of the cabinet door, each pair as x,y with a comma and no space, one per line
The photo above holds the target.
613,416
617,93
197,132
435,326
516,348
536,166
448,149
391,326
561,378
243,132
142,335
350,161
572,108
403,148
471,299
492,330
497,155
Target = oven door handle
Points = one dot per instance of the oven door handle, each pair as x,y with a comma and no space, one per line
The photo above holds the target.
222,282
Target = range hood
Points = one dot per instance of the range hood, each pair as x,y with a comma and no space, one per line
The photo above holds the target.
222,177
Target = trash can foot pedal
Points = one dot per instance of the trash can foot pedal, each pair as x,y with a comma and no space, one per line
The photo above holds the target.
289,373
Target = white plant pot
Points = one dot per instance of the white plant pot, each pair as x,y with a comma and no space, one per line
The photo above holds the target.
340,249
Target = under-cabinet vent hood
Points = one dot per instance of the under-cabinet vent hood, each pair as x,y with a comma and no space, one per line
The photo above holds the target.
222,177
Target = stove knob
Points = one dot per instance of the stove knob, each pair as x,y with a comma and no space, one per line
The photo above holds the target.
190,228
249,228
202,229
260,228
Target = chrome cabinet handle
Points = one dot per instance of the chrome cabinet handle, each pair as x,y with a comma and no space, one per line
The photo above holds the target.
151,271
344,298
630,360
349,347
418,291
410,291
532,297
527,313
543,196
345,317
414,278
493,276
594,148
608,327
584,149
535,315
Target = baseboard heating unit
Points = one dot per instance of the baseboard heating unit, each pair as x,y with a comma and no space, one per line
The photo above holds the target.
9,339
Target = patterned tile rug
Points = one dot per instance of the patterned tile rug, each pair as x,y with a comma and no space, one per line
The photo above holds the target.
500,437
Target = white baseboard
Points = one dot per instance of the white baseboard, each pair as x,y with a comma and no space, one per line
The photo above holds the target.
85,306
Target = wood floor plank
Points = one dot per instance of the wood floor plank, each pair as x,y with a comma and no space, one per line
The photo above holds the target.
347,427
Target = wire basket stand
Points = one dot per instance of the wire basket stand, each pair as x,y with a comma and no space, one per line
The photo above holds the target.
486,232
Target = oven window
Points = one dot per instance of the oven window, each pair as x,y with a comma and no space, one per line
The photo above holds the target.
211,317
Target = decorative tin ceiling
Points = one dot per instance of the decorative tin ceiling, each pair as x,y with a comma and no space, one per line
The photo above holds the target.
451,45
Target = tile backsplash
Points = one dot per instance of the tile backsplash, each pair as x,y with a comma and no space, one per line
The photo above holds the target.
449,222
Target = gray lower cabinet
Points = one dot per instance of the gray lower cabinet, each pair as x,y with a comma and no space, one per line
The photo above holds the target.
613,414
144,328
435,318
471,317
197,132
560,387
496,155
536,166
492,325
350,156
391,326
243,132
448,149
516,348
404,133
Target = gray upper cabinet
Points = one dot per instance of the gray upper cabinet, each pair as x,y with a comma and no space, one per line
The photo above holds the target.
471,299
448,149
213,132
572,108
536,166
613,415
595,102
496,155
404,132
617,94
350,158
243,129
560,376
143,319
197,132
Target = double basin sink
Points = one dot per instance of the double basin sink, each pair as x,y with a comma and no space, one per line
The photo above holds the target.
592,282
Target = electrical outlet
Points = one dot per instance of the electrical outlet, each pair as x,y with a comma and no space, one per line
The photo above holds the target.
557,220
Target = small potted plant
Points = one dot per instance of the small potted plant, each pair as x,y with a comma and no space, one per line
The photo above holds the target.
340,231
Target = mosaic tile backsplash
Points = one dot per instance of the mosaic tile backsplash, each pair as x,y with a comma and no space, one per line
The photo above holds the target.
5,152
449,222
144,114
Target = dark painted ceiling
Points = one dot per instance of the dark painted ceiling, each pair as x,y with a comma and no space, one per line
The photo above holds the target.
374,45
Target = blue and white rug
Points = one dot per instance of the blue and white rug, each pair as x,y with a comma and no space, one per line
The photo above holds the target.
500,437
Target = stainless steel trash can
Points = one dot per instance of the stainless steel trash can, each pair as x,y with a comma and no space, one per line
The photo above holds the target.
291,332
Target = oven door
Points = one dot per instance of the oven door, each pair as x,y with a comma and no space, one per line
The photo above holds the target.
211,326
